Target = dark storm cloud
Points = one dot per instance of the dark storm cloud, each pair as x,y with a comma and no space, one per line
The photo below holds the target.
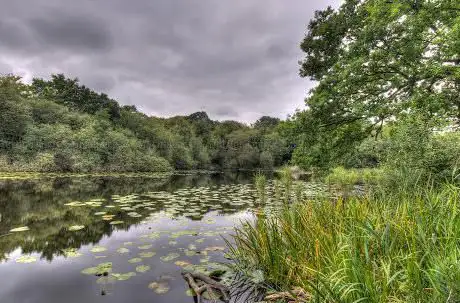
234,59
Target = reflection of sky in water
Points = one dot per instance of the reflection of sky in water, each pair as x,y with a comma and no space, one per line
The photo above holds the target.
61,279
166,206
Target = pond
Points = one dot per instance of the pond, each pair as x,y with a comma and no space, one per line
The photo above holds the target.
117,239
59,236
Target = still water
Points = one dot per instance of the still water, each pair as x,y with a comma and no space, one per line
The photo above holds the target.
115,239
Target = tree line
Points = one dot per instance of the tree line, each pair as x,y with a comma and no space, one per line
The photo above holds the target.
60,125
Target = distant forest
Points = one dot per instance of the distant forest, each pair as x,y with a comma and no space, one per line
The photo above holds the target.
60,125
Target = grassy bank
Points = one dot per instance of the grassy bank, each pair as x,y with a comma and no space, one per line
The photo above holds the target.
385,248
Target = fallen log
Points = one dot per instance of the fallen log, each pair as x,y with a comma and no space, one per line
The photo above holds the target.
205,283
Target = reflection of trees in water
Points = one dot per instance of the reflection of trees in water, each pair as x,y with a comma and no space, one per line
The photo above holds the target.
39,204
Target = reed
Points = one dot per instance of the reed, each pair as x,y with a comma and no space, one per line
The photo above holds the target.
377,248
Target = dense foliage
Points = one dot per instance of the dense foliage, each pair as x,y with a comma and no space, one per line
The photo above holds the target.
379,65
61,126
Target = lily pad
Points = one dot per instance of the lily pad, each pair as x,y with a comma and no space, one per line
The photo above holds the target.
169,257
172,242
122,250
154,235
26,259
135,260
97,249
116,222
71,253
182,263
108,217
19,229
99,269
75,203
124,277
134,214
144,247
76,227
159,287
142,268
147,254
128,243
100,213
178,234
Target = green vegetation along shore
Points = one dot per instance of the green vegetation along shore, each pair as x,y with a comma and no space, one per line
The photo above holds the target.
377,248
381,130
59,125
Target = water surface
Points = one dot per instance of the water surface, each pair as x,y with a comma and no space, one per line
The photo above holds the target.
137,230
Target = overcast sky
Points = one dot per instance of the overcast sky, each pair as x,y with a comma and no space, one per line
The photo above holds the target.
233,59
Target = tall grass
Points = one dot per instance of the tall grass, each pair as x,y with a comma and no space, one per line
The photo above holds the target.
260,181
287,181
382,248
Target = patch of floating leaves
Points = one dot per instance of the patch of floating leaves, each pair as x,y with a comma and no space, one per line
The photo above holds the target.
142,268
159,287
101,269
135,260
26,259
182,263
19,229
147,254
75,227
178,234
145,247
97,249
116,222
124,276
122,250
154,235
71,253
108,217
169,257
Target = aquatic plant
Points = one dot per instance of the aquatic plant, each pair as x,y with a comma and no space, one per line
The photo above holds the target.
260,181
379,248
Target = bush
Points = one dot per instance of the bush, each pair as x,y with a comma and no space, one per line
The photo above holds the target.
266,160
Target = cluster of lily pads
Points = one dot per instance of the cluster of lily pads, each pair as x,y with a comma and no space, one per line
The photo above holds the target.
191,203
178,255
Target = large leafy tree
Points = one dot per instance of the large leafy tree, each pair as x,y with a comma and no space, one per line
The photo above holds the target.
376,59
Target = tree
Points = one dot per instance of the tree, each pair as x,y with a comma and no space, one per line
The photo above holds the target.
14,112
266,123
70,93
377,59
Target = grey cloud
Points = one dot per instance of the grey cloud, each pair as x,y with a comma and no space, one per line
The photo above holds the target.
71,32
237,60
